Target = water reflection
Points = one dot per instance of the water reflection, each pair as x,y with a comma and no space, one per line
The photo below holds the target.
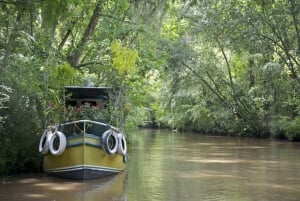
43,187
173,166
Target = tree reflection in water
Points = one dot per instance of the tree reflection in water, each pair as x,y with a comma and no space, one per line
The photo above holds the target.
166,166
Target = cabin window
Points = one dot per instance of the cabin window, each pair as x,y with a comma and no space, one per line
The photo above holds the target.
89,103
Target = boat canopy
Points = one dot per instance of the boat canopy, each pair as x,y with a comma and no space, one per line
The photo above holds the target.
77,96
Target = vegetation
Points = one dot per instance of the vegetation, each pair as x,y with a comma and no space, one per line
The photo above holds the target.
226,67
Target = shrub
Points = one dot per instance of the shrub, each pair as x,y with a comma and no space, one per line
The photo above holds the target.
292,128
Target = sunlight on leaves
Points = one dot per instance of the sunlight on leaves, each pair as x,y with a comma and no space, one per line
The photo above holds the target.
124,58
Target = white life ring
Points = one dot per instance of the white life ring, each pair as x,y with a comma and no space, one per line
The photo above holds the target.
122,148
110,142
44,142
62,143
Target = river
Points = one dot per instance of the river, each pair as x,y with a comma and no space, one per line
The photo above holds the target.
173,166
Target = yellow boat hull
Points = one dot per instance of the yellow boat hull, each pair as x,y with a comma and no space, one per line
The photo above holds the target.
83,158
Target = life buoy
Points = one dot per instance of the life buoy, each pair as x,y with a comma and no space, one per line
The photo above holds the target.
110,142
122,148
44,142
57,143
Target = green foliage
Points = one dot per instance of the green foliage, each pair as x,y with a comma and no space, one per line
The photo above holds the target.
291,128
124,58
56,78
85,112
136,116
245,75
4,98
23,116
173,28
63,75
19,139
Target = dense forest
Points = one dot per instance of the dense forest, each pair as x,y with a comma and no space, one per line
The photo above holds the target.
216,67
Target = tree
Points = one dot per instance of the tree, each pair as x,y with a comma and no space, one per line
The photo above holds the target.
230,51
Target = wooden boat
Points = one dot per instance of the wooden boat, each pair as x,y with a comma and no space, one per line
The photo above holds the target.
84,148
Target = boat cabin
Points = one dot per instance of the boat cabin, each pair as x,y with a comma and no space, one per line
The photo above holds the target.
83,105
78,96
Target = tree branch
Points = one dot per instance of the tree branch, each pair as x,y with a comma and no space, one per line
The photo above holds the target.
66,36
89,63
226,60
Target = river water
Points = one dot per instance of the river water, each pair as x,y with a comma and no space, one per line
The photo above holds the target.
173,166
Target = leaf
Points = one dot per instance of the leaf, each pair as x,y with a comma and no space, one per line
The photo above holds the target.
124,58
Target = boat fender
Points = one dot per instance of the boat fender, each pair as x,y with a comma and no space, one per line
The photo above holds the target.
57,147
122,148
44,141
110,142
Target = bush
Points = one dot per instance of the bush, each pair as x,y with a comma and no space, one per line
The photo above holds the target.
292,128
19,137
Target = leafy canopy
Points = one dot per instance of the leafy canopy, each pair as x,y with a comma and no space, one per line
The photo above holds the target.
124,58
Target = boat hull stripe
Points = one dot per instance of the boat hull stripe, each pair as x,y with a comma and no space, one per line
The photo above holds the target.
84,143
81,167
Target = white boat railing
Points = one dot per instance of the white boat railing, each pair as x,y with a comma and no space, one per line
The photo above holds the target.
84,121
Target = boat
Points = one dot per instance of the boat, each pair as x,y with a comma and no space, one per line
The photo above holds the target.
84,146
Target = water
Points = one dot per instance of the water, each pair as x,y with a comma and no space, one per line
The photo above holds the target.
166,166
44,187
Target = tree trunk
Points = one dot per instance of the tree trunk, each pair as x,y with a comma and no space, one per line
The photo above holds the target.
75,56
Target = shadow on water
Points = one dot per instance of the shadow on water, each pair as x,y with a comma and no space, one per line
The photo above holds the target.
41,187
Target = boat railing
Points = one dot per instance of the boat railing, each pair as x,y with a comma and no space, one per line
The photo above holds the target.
84,127
85,121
